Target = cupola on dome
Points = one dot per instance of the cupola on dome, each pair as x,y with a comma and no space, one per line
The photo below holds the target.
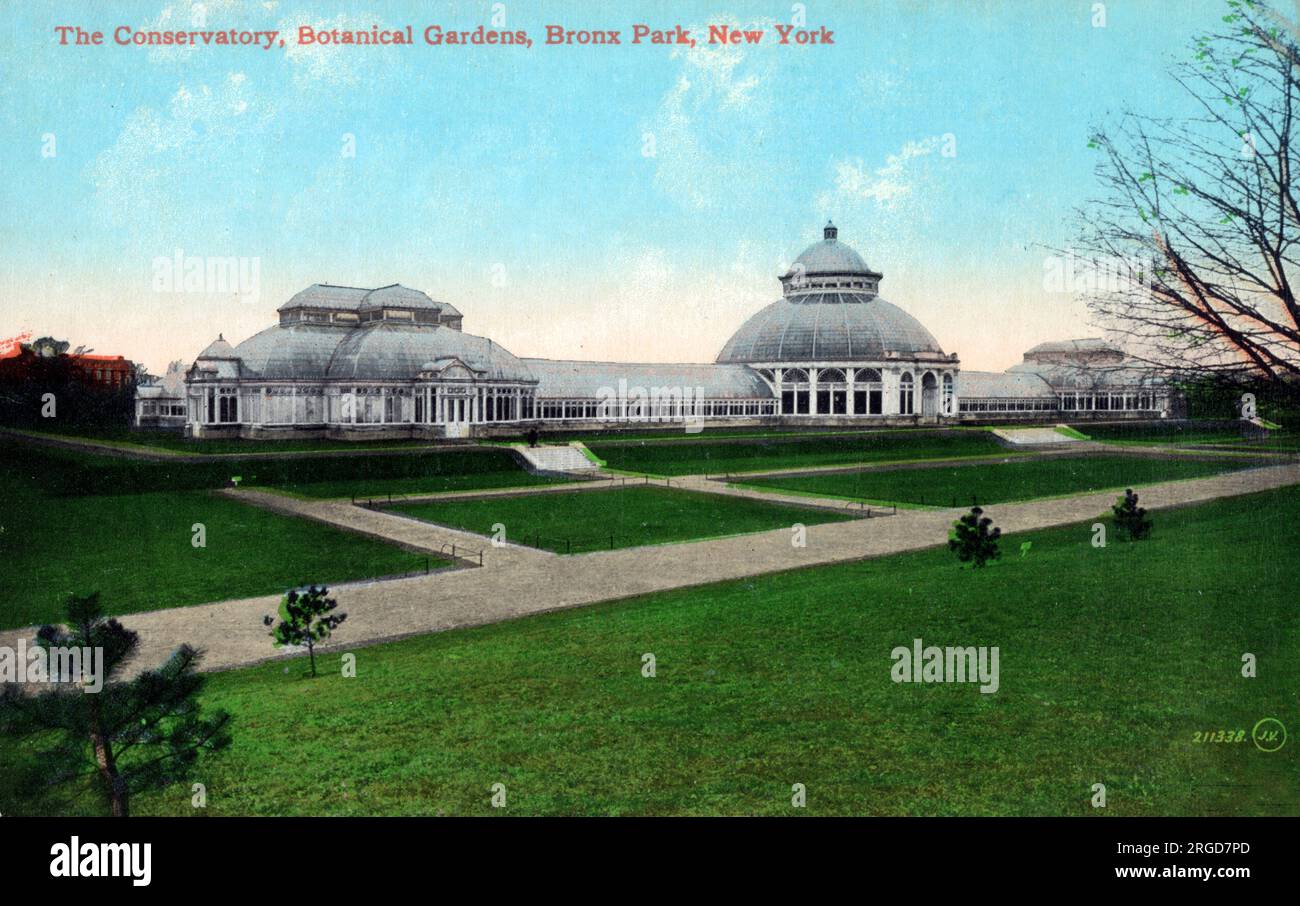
830,264
830,311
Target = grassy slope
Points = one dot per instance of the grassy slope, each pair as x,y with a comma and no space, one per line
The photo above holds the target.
136,548
150,440
635,515
1110,660
1188,433
682,458
999,482
74,472
419,484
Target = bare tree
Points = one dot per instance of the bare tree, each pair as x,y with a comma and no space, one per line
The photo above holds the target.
1197,222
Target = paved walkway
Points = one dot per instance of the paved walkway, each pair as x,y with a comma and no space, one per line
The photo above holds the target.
516,581
773,495
601,482
1078,449
422,537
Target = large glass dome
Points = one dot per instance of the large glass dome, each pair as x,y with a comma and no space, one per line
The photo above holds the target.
830,312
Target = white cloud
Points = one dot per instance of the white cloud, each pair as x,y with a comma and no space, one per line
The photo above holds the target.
160,154
856,181
708,122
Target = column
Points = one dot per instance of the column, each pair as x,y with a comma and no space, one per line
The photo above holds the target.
889,391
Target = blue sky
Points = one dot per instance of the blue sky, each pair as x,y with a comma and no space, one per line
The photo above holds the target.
630,203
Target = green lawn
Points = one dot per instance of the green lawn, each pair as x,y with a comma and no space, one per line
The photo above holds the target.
577,521
74,472
717,457
136,549
1111,661
377,488
161,440
1188,432
997,482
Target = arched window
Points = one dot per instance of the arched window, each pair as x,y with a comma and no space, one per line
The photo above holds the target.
906,394
868,392
832,397
794,392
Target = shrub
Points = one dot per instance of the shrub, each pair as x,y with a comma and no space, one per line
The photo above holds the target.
974,538
306,617
1131,520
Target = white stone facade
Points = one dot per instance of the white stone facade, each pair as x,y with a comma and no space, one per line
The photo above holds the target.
391,362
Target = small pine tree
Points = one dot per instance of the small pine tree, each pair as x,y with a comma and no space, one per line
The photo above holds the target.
974,538
1130,519
306,617
131,735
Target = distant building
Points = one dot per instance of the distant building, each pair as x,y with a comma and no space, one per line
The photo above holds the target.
1069,379
392,362
161,404
103,370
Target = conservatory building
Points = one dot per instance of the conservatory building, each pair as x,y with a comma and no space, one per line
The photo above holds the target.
831,348
352,362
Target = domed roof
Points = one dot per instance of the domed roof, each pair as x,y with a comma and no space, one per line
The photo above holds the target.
218,349
387,351
396,296
830,256
358,298
830,312
828,326
325,295
290,352
379,351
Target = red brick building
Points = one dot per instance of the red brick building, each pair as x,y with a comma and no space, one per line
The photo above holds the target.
104,370
107,371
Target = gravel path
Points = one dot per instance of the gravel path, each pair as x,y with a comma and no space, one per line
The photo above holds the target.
517,581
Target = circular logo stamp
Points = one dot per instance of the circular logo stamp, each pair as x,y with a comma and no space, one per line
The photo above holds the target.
1268,734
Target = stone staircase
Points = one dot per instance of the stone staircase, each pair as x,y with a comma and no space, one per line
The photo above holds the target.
1033,437
554,458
